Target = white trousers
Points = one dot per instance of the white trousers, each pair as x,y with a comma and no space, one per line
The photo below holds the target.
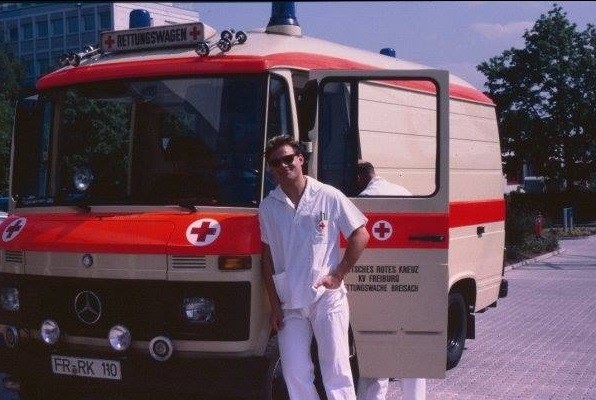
372,388
327,319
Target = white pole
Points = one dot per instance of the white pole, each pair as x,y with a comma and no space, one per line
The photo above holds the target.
413,388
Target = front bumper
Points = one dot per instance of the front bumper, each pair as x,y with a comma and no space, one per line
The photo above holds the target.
241,377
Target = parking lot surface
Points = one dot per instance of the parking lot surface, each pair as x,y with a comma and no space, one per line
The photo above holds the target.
540,342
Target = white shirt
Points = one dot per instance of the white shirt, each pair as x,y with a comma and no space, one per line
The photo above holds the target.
304,241
380,187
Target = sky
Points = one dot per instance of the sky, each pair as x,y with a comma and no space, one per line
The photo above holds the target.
451,35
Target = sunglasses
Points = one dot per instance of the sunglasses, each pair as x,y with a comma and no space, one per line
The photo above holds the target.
285,160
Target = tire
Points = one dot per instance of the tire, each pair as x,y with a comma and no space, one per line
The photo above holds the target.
274,387
457,316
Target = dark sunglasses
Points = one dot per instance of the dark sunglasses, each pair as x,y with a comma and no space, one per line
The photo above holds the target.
285,160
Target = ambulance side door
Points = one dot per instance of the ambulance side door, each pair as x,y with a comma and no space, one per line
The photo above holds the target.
398,122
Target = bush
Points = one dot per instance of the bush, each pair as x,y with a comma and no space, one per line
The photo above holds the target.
520,241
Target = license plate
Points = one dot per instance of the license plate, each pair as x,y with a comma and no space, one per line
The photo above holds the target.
86,367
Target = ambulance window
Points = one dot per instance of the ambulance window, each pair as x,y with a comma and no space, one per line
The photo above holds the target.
338,145
279,119
391,125
398,134
32,141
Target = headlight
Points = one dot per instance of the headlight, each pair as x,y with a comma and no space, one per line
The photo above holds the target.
199,310
119,338
10,298
50,331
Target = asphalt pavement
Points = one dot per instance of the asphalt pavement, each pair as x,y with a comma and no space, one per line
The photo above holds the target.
540,341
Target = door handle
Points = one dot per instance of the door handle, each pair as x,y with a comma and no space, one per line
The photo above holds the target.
427,238
479,231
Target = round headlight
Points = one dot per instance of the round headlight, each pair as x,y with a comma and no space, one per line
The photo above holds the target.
119,338
200,310
11,337
50,331
10,298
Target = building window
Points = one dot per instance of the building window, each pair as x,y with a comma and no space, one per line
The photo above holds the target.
13,34
73,24
57,27
42,29
27,30
89,22
44,66
105,22
29,68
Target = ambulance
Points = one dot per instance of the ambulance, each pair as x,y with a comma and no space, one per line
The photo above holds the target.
130,259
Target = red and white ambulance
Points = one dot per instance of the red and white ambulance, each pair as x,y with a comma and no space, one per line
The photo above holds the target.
131,255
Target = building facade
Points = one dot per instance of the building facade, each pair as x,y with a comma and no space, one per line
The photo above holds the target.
39,33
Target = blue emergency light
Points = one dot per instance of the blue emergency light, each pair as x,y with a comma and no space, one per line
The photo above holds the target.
388,51
283,13
139,19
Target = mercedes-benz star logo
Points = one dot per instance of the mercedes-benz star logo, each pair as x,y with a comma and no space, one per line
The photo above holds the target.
87,307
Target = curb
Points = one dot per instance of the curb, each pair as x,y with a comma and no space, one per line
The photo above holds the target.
533,260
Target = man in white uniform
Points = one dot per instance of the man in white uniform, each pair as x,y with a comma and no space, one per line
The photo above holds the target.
370,184
300,225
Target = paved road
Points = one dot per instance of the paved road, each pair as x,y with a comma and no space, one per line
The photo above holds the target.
540,342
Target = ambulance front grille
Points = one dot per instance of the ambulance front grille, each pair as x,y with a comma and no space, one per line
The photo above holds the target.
13,256
188,262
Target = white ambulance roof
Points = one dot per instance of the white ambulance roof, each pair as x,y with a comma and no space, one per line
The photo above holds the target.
275,50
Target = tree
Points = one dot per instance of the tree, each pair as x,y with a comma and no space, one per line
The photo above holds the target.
545,98
11,74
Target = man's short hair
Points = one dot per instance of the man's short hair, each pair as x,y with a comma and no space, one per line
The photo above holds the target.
365,168
282,140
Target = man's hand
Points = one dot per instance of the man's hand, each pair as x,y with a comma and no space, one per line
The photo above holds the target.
276,319
331,281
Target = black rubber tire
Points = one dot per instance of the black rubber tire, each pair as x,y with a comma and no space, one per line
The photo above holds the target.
457,315
274,386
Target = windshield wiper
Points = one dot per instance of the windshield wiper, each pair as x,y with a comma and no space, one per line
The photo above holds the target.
188,206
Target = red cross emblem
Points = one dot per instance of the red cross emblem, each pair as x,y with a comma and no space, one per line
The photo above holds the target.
203,232
13,229
109,41
195,32
382,230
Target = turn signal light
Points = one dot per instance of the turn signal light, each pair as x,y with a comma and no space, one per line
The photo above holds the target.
234,263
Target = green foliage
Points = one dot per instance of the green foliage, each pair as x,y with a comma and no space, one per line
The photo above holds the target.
546,95
520,240
11,74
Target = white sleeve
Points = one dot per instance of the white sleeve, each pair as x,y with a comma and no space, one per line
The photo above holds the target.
263,224
350,217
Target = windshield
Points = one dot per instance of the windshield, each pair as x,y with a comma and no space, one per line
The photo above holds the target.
192,141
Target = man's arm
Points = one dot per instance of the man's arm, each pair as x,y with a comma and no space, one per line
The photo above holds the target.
356,244
276,318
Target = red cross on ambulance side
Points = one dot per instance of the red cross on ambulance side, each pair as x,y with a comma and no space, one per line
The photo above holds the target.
13,229
203,232
382,230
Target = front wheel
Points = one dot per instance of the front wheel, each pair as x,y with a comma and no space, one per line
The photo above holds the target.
275,386
456,328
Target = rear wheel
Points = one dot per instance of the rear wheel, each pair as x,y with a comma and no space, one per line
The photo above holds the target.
456,329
